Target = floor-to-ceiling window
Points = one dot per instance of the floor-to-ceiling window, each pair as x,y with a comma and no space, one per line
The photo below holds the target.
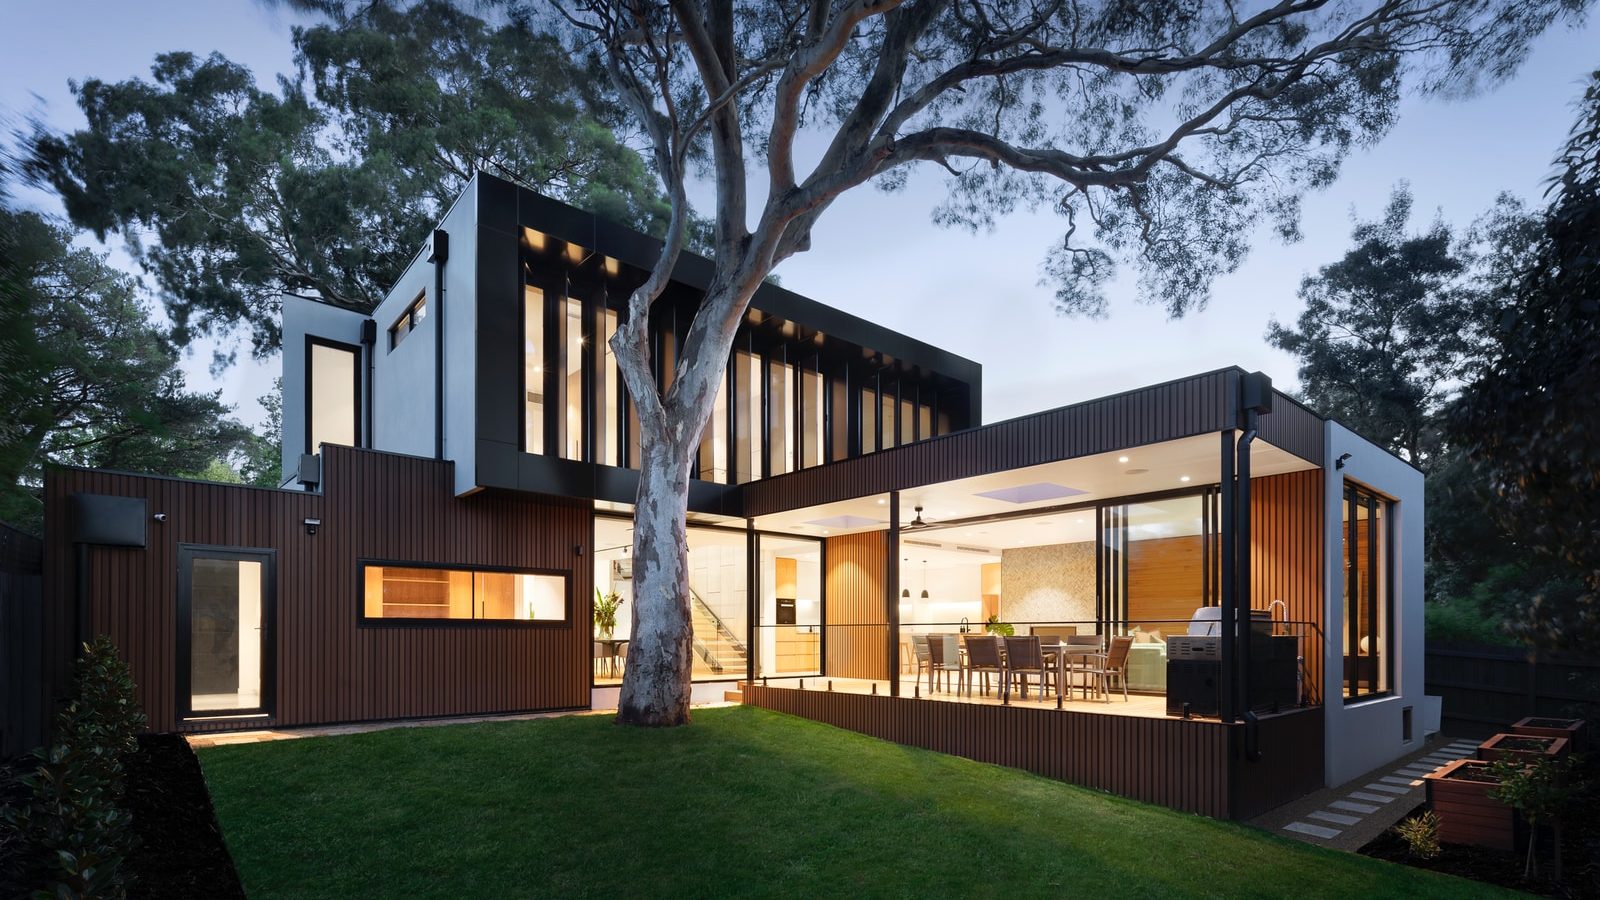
572,346
1367,633
748,425
610,450
718,606
790,636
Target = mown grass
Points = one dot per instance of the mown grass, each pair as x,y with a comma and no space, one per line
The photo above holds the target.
744,802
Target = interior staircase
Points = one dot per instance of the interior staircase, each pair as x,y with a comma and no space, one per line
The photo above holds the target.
717,650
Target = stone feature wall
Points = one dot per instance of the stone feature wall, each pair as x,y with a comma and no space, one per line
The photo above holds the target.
1052,583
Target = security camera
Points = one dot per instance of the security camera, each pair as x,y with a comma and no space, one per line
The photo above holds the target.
312,525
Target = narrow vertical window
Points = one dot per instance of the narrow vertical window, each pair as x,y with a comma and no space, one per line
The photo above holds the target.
869,420
747,417
714,440
1367,638
610,448
780,422
572,379
839,419
332,388
924,421
811,419
888,430
908,422
533,370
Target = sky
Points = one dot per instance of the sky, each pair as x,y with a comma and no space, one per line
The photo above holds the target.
880,256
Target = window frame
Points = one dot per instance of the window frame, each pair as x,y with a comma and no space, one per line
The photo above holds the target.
365,621
409,317
184,611
1349,493
355,386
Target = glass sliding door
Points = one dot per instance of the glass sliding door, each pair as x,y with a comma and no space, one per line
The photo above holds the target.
225,599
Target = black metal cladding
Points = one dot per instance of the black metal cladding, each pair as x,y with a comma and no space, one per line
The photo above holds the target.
572,254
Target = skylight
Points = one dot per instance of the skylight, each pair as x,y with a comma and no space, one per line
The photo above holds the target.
1032,493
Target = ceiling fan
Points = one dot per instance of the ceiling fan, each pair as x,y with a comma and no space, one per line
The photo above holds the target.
917,522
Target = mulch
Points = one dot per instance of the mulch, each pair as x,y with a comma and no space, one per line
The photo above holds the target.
180,853
1581,873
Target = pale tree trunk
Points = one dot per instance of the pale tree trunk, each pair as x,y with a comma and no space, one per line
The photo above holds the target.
656,686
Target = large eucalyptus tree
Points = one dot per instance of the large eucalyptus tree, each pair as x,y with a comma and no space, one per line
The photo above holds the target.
1162,131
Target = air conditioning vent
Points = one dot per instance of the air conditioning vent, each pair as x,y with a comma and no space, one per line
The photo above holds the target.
923,543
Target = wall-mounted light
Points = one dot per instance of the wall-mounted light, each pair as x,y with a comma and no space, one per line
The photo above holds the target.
312,525
1339,463
160,517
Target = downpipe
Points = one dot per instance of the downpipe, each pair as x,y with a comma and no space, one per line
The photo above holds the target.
439,256
1242,617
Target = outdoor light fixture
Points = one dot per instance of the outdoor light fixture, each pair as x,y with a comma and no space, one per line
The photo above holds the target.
1339,463
1184,479
312,525
1122,459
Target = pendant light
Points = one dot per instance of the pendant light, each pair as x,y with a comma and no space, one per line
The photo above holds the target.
924,579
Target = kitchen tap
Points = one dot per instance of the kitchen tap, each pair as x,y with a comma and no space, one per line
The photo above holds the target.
965,627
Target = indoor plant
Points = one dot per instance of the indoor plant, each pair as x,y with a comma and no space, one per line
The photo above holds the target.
995,626
605,612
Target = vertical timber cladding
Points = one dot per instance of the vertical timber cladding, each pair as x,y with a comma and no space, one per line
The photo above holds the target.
1286,549
1182,764
856,616
331,668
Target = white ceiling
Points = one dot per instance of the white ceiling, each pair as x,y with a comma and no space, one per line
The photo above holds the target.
1173,465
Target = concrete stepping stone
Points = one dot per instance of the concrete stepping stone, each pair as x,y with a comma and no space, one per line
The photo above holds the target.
1313,830
1335,818
1389,788
1348,806
1371,798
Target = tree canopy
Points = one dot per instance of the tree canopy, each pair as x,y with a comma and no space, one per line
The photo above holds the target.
232,195
1531,420
85,377
1391,331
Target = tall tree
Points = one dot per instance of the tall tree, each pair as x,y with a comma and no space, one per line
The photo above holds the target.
1389,331
1165,128
85,377
1532,419
231,195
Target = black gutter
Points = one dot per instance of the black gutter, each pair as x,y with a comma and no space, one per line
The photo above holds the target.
440,254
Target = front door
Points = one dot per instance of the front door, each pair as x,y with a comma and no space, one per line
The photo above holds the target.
225,647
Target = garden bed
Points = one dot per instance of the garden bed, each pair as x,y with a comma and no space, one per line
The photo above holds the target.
1488,866
1458,792
1576,731
1526,747
180,851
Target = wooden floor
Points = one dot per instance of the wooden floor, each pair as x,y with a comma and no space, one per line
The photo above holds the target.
1149,706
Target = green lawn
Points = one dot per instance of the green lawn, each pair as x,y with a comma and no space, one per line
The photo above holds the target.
744,802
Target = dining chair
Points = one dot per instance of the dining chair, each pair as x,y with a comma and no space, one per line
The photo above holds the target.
922,659
944,661
983,658
1113,664
622,656
1024,658
602,656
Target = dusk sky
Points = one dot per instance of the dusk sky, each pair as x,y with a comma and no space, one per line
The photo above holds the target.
879,256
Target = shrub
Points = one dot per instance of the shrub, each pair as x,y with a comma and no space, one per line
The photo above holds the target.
75,832
1421,834
1543,790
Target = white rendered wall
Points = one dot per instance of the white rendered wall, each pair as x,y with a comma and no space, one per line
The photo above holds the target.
303,317
1365,734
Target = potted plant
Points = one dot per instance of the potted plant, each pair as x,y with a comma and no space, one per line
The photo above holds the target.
1460,794
605,613
995,626
1576,731
1524,747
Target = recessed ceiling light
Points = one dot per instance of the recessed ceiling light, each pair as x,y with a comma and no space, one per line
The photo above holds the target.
1184,479
824,531
1122,459
882,501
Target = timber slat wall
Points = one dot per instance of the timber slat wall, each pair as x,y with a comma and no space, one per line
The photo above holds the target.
1485,689
330,668
1202,404
1191,765
857,615
1286,536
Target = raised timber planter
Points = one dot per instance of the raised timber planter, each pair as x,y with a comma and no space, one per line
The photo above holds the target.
1523,747
1576,731
1459,795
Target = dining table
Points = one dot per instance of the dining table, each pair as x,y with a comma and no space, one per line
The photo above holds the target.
613,653
1064,655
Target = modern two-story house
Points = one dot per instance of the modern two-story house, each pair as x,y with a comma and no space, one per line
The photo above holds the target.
1240,578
